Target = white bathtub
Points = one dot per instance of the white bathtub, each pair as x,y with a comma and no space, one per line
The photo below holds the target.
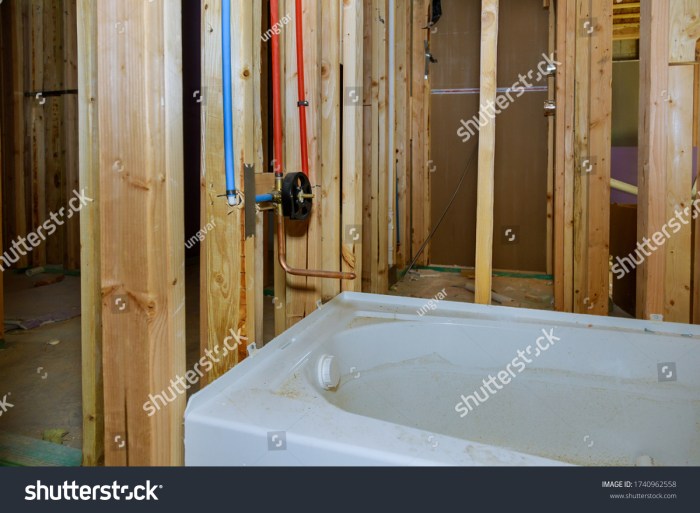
609,392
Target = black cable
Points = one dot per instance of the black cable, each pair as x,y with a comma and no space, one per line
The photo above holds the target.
447,209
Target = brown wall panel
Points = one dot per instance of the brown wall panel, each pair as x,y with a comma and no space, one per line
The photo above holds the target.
521,135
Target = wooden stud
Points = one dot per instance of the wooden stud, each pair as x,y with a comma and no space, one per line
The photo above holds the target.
600,149
37,109
377,14
696,221
684,19
52,112
296,232
331,95
352,186
2,271
280,277
551,126
71,177
584,161
653,152
90,278
313,21
563,165
379,241
367,143
244,69
141,189
679,183
20,38
259,93
222,299
487,154
593,121
569,162
386,157
684,33
402,130
420,141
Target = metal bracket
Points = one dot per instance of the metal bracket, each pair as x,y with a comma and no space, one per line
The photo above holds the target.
551,69
250,206
429,59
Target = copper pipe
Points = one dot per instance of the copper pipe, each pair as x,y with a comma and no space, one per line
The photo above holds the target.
282,250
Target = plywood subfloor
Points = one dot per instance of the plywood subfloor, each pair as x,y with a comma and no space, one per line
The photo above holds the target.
40,374
40,369
517,292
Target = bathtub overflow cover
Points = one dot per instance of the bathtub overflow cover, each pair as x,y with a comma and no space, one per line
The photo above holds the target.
328,372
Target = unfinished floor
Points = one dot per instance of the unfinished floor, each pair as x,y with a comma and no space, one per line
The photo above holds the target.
40,366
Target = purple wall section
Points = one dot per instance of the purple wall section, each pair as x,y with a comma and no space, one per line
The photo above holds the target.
624,168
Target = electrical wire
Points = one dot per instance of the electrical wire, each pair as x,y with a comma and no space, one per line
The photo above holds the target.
447,209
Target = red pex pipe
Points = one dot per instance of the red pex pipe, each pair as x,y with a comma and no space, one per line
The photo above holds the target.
276,92
302,103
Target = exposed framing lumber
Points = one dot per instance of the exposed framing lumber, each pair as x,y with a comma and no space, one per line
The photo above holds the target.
331,95
3,164
41,56
379,241
487,154
246,70
71,258
36,113
377,13
367,138
568,159
560,200
593,151
19,14
653,151
330,162
696,222
601,147
684,30
223,299
299,291
679,182
582,156
420,130
2,273
90,277
280,277
52,112
313,18
402,129
141,175
585,161
551,127
385,152
684,33
259,245
352,186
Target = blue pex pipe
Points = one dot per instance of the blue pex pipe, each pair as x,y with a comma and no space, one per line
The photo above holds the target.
228,102
263,198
